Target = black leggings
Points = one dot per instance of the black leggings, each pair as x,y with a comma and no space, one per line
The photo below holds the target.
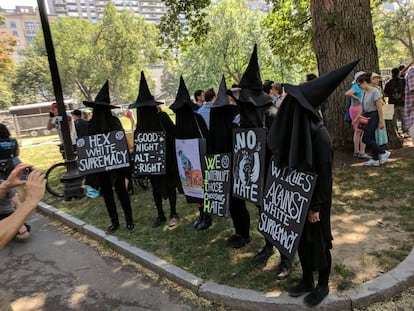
172,198
105,180
307,267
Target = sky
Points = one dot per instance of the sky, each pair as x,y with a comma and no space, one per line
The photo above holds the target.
8,4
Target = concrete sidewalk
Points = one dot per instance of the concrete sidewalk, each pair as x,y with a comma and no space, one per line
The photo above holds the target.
379,289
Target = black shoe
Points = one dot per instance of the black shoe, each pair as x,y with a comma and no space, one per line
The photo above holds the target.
112,228
264,253
300,289
205,223
130,227
157,221
316,295
237,241
198,222
282,272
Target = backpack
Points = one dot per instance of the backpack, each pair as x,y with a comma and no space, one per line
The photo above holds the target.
6,166
395,90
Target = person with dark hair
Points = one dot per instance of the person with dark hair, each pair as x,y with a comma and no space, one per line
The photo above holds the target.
267,87
394,90
103,121
150,119
81,125
372,109
204,110
54,123
310,77
199,98
190,125
9,150
299,140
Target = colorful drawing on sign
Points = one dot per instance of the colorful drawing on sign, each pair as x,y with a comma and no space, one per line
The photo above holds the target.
150,153
102,152
217,184
189,167
248,164
286,201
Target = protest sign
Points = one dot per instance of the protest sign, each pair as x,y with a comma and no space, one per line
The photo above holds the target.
286,201
248,164
217,184
189,153
102,152
149,153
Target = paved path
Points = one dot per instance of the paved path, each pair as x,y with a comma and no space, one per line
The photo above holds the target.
54,271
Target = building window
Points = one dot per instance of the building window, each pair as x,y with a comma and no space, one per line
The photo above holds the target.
13,24
29,26
30,36
16,34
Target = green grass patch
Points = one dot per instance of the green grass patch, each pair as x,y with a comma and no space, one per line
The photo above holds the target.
386,190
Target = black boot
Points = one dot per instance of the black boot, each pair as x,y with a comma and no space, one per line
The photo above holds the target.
199,220
205,222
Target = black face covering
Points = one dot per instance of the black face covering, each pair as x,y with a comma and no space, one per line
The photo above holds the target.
103,121
251,116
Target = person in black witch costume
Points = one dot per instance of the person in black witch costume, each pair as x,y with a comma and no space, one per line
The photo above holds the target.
150,118
299,140
188,125
220,140
254,105
103,122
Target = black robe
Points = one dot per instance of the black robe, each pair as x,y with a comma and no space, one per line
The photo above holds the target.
189,125
150,119
300,140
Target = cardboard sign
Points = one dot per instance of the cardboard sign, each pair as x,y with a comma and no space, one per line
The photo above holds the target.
249,147
286,201
388,111
189,152
102,152
217,184
149,153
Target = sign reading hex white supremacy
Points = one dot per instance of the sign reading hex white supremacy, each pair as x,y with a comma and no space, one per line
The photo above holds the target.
217,184
286,201
249,147
102,152
150,152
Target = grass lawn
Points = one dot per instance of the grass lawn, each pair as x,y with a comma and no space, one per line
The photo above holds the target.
385,194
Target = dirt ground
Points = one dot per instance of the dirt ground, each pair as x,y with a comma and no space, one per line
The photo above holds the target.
358,234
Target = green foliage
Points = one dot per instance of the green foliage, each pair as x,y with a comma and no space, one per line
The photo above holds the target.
184,22
234,29
289,32
87,54
32,79
395,30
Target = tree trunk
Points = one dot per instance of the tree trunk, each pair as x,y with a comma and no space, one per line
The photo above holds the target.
343,32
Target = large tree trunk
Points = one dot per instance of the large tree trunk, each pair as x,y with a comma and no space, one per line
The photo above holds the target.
343,32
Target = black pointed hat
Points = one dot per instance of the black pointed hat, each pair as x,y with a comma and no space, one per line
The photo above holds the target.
144,95
183,97
102,100
222,97
310,95
251,84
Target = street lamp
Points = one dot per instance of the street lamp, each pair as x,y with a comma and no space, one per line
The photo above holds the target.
73,181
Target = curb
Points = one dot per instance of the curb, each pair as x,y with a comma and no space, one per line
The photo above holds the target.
376,290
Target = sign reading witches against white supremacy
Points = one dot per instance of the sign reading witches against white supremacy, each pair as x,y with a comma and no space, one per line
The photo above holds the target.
249,147
286,201
150,151
102,152
217,184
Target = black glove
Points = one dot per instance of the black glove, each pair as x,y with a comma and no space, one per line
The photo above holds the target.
51,114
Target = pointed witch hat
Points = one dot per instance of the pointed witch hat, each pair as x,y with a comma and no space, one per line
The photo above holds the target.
183,97
222,97
102,100
310,95
144,98
251,84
